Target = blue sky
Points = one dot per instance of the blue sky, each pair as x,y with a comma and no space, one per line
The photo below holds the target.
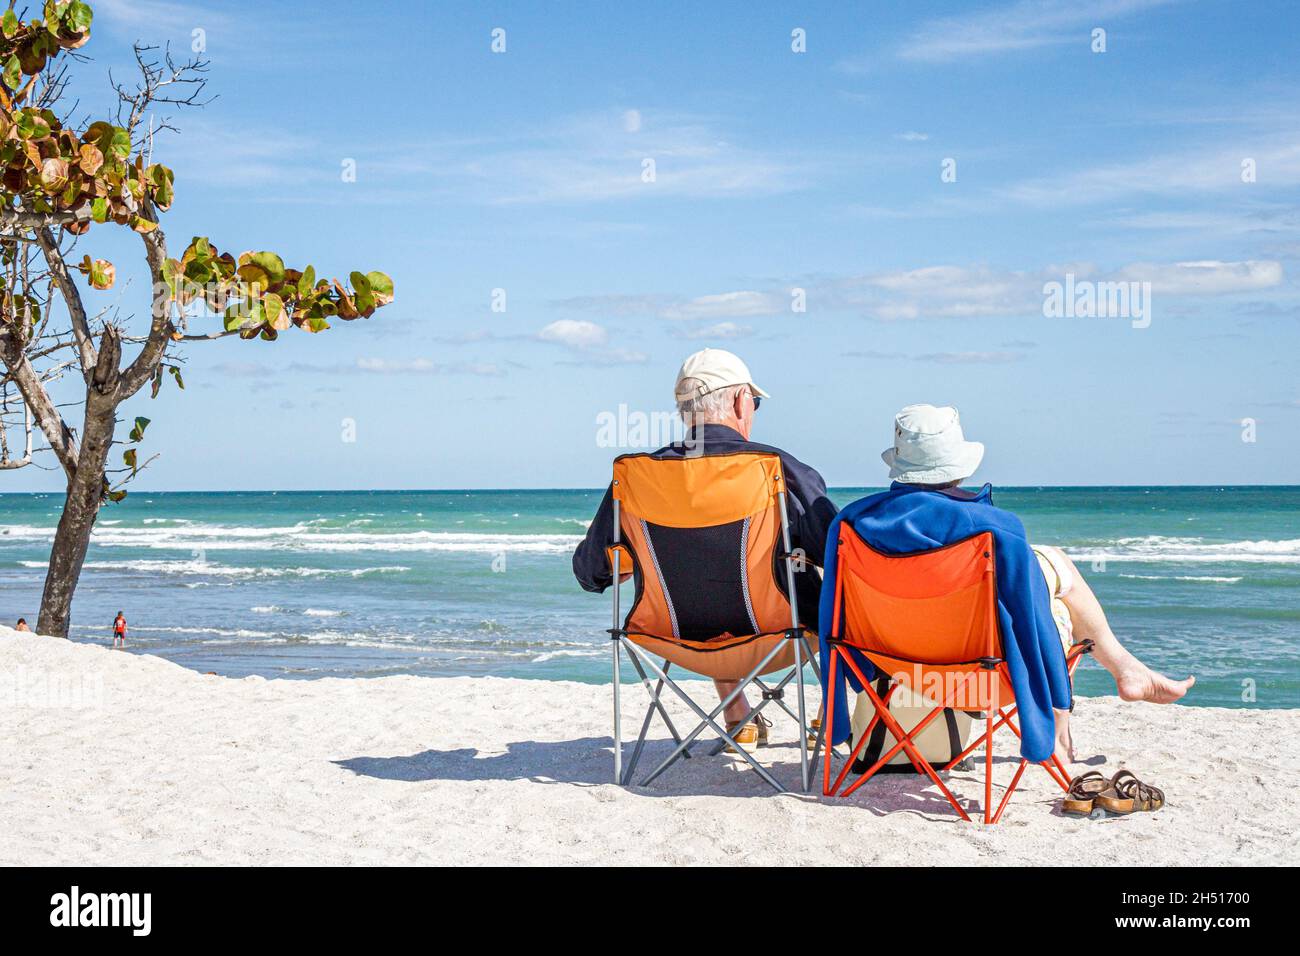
774,171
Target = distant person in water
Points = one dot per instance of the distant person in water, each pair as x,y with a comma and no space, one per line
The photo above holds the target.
119,629
926,508
22,625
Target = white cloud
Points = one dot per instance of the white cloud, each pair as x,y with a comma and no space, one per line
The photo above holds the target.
590,341
1026,25
728,304
1207,169
575,333
1207,277
589,158
912,136
385,366
972,358
632,121
979,292
719,331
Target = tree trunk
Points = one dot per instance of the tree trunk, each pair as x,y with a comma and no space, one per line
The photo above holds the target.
85,491
72,539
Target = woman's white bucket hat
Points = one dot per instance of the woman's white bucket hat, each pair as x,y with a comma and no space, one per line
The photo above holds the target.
929,447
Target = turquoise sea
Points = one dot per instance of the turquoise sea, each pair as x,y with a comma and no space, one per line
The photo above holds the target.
361,584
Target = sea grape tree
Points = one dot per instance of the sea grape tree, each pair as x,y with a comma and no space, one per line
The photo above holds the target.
59,183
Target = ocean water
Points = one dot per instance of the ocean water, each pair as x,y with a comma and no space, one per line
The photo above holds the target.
361,584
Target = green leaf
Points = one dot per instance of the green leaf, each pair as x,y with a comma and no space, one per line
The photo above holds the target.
119,143
137,433
9,24
176,374
79,16
13,70
99,209
171,273
307,281
31,125
271,264
128,456
381,287
277,316
157,383
245,315
116,495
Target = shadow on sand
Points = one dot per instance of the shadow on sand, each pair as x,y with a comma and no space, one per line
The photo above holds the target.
587,761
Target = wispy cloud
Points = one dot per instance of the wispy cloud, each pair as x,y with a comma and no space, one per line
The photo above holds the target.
589,340
941,358
1214,167
1208,277
743,303
588,158
1027,25
362,366
720,331
939,292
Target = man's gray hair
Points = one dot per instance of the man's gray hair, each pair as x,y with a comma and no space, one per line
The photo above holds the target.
709,407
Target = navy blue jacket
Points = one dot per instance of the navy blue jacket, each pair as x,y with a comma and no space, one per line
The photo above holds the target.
811,513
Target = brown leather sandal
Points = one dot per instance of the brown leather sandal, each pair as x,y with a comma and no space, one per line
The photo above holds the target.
1084,791
1143,797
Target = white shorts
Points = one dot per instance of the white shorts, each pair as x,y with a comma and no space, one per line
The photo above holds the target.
1060,581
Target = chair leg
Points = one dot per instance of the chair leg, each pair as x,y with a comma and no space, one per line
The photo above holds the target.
828,718
862,743
1006,797
640,740
655,701
803,719
988,771
708,719
618,723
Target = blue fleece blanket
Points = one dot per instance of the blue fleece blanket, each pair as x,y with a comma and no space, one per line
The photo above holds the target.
907,519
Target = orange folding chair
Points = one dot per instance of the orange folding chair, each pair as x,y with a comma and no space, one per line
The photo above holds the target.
928,621
707,542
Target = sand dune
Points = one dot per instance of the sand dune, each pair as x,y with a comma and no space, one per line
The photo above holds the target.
114,758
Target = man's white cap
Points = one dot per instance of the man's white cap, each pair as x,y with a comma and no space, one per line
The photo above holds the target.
929,447
713,369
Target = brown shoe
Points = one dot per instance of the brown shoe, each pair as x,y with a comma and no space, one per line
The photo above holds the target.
746,736
1131,795
1084,791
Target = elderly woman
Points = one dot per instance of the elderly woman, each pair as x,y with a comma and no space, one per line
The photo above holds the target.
1042,594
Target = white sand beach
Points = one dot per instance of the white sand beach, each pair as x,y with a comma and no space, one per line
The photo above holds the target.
113,758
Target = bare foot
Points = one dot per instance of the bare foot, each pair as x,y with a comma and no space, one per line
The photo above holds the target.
1139,682
1064,747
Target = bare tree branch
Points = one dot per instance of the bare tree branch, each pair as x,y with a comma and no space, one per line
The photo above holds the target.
71,297
56,430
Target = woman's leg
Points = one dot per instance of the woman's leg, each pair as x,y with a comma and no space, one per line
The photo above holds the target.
1134,679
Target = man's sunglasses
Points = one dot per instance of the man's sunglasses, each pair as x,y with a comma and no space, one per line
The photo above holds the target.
758,400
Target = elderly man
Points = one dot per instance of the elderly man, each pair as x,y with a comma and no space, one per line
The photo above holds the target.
717,398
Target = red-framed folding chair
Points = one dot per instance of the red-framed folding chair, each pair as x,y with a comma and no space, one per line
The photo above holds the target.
929,621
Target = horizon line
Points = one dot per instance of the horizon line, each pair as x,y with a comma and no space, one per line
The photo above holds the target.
829,487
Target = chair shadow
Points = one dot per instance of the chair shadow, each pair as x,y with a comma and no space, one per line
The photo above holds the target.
588,761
